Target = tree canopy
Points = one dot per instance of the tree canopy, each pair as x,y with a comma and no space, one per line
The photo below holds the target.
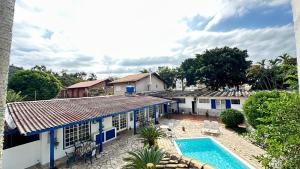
168,75
218,67
279,73
35,85
279,131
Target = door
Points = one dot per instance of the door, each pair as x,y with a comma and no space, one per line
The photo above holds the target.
193,107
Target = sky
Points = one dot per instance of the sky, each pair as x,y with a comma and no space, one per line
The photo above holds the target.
116,38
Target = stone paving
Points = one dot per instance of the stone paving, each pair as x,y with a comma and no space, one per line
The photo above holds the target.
229,139
113,153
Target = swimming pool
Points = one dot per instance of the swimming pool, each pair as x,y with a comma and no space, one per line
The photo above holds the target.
208,150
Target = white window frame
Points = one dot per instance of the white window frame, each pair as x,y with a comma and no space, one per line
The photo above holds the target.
77,134
120,122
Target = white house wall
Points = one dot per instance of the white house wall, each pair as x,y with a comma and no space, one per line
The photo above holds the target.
22,156
29,154
156,84
140,86
203,108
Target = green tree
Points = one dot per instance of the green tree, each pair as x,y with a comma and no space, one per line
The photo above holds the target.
218,68
144,71
252,106
168,75
141,158
189,70
12,70
92,76
279,131
36,85
13,96
150,134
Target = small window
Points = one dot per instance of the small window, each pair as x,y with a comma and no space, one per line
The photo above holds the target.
131,116
180,100
156,86
203,100
235,101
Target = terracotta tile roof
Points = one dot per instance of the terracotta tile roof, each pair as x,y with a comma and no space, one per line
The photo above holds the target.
34,116
131,78
85,84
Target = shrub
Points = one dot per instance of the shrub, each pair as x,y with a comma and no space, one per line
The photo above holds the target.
232,118
252,107
150,134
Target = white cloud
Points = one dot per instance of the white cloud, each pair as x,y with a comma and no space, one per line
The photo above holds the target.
115,32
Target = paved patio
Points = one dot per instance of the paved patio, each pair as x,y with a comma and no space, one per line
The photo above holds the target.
228,138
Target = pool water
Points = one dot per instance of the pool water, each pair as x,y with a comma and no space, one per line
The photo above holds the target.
208,151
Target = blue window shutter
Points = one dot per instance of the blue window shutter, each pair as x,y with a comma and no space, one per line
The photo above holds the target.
228,104
213,104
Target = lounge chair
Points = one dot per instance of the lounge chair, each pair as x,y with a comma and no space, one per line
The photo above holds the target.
215,129
211,127
206,126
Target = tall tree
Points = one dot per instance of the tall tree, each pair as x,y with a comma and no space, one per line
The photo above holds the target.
168,75
6,22
189,70
219,67
144,70
92,76
35,85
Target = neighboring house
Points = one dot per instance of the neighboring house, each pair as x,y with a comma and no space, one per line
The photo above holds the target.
142,82
204,102
39,132
88,89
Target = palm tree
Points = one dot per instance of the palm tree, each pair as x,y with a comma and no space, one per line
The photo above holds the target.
6,22
145,158
150,134
13,96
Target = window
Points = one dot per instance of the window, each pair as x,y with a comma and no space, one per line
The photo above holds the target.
80,132
203,100
180,100
235,101
151,112
123,121
140,116
115,121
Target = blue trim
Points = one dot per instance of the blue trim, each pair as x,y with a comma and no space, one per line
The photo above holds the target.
52,142
110,134
134,121
228,104
100,135
213,104
89,120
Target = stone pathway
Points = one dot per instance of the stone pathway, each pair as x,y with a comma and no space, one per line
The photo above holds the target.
113,153
229,139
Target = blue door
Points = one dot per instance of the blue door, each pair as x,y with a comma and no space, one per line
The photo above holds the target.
213,104
228,104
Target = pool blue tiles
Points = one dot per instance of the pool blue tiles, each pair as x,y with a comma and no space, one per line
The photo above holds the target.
206,150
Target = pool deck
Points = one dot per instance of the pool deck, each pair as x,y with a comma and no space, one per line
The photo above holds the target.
193,124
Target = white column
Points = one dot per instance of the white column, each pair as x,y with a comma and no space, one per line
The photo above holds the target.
296,15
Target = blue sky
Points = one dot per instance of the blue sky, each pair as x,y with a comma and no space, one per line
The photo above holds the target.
115,38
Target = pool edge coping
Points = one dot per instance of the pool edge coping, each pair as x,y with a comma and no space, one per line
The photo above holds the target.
232,153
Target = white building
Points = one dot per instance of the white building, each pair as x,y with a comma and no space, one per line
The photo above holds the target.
142,82
204,102
40,132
